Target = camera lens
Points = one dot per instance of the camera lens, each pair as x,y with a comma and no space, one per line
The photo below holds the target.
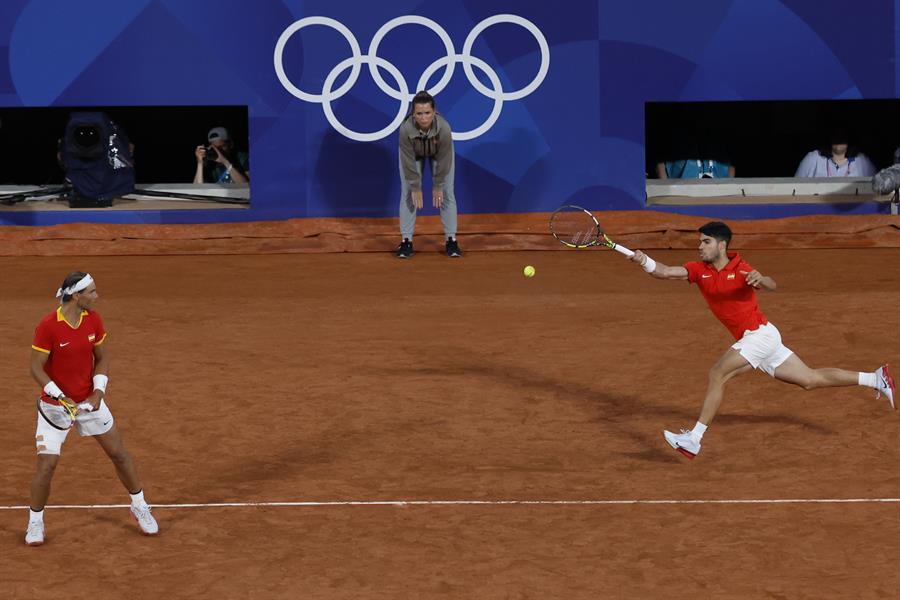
86,136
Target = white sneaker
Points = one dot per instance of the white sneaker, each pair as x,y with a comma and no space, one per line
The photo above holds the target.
145,520
683,443
885,384
35,534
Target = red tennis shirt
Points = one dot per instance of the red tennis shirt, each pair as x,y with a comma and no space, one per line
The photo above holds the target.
727,293
71,350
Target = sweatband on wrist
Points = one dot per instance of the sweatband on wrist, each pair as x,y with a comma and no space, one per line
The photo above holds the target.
649,265
52,390
100,382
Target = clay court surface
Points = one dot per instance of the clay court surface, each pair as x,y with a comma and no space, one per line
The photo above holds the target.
328,378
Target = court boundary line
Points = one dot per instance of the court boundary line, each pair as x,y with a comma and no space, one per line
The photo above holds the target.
404,503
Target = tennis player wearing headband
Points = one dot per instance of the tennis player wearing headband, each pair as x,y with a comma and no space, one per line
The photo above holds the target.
729,284
69,359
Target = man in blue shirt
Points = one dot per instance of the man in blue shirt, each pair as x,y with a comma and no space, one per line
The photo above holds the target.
694,168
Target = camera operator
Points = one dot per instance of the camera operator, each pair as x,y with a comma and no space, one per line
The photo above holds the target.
220,162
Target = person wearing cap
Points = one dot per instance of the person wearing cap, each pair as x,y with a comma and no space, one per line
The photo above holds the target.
836,159
70,362
220,162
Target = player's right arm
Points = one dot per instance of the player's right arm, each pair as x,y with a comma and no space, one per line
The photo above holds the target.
38,360
661,271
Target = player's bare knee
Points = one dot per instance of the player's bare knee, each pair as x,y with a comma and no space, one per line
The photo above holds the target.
810,380
717,376
46,463
807,382
120,457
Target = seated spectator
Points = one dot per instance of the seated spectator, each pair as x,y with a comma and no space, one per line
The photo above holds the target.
837,159
220,162
694,168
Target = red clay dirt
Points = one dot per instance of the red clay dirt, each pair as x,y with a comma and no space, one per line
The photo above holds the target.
359,377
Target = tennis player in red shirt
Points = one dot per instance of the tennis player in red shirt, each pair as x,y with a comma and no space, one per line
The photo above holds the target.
69,360
729,284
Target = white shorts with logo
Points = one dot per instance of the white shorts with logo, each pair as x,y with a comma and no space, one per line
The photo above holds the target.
49,439
763,349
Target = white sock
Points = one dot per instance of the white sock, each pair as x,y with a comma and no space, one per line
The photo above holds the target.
868,380
35,517
138,498
698,431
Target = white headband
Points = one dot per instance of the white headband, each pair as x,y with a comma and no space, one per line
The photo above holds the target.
74,289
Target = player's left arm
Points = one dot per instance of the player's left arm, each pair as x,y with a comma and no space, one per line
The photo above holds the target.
757,280
101,373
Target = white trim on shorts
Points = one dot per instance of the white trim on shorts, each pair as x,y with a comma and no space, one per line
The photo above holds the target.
762,348
91,423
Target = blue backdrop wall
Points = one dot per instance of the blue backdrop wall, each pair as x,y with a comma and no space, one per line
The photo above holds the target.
547,101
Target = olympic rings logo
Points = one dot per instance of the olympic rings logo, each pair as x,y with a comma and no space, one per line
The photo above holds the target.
402,91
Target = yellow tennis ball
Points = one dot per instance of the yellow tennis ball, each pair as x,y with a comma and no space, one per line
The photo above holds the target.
528,271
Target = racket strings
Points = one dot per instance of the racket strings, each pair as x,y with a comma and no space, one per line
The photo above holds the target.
61,416
575,227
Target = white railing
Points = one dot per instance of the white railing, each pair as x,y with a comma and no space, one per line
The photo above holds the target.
774,190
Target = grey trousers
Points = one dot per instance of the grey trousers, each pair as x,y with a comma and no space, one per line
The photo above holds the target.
408,209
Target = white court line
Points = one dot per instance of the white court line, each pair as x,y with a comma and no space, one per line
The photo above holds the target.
480,503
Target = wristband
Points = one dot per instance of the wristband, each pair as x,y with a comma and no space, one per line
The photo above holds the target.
100,382
52,390
649,265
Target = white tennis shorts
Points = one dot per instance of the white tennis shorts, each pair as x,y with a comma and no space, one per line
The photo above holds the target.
49,439
763,348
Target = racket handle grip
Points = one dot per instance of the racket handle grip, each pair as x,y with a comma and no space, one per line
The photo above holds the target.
623,250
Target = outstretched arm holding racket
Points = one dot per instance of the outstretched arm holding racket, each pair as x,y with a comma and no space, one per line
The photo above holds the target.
657,269
577,227
729,284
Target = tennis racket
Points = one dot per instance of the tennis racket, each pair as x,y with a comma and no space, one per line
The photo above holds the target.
60,416
577,227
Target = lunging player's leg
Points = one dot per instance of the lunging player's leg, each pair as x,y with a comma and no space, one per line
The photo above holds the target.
795,371
731,364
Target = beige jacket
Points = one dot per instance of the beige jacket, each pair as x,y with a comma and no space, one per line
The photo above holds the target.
435,144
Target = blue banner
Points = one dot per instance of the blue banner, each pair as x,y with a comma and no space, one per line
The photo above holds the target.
546,99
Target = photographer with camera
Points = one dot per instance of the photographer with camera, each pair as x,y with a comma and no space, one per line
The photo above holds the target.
220,162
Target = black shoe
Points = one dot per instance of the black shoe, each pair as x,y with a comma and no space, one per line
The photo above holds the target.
405,249
452,248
